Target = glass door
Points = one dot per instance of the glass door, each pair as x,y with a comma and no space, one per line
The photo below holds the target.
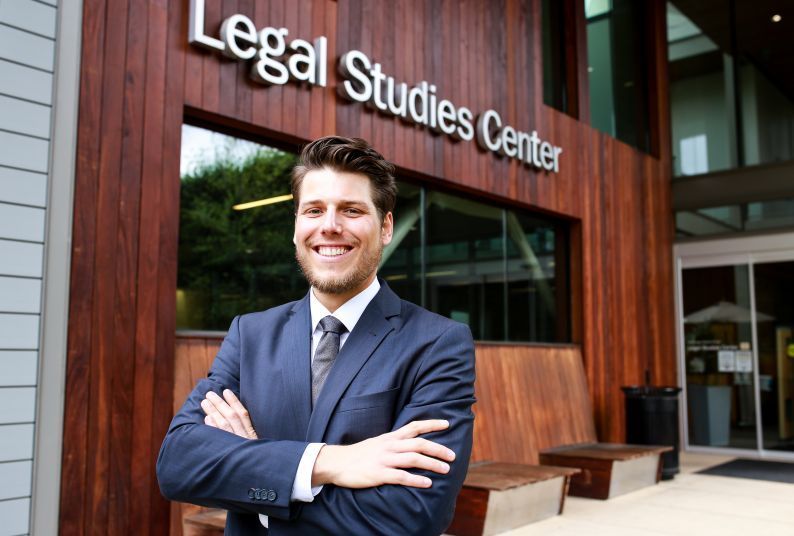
718,356
735,302
774,299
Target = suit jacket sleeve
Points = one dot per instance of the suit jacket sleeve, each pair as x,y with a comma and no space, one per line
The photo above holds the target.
443,389
210,467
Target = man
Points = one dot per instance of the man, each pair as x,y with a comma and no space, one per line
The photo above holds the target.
347,412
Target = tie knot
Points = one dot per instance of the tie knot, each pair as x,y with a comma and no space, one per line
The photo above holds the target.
332,324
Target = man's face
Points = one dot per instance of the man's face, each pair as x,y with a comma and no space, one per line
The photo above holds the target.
338,234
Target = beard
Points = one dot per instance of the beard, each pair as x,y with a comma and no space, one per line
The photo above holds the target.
342,283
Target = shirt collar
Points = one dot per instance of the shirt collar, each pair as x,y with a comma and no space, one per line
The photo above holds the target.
349,312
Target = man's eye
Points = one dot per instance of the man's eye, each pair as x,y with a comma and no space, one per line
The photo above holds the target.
313,212
352,211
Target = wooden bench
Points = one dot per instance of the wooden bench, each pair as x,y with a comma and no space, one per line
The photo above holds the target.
497,497
209,522
534,407
608,469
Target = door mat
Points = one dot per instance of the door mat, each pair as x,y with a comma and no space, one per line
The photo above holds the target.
755,469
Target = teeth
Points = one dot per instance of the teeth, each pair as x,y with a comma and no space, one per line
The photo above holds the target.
331,251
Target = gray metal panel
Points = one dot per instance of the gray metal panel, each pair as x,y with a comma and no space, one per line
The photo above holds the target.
19,332
18,368
16,443
17,405
21,81
19,295
24,117
21,223
735,186
24,187
26,48
45,504
29,15
20,258
16,479
15,516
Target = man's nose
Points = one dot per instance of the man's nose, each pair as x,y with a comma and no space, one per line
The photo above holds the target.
330,223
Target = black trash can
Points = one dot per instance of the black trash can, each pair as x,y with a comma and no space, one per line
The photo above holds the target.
652,419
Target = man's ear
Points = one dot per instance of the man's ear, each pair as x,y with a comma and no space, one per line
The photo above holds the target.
387,229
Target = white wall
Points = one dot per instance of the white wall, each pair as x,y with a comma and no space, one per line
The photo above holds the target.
27,59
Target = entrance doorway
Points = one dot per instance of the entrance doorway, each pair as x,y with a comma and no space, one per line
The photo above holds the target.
735,302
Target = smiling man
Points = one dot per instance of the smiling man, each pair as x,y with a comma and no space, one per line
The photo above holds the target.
347,412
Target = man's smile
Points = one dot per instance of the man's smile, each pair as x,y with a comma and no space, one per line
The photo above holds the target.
332,251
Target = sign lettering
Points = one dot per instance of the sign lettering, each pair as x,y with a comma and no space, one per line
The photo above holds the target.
277,61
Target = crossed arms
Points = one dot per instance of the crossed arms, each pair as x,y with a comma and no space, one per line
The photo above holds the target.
397,482
366,464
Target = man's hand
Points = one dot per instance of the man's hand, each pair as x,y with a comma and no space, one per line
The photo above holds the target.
383,459
228,413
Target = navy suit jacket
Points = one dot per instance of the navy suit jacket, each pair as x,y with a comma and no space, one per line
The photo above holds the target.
399,364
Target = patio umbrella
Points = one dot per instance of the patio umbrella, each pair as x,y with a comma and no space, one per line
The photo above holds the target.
725,312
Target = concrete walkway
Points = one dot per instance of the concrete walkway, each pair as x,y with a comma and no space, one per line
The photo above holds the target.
690,504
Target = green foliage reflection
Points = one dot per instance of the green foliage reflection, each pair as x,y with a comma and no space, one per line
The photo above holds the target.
232,262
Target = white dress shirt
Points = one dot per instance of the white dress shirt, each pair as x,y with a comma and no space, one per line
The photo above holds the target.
348,313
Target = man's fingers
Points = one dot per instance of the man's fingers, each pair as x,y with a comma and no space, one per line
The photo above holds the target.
413,460
238,407
228,413
415,428
216,418
404,478
427,447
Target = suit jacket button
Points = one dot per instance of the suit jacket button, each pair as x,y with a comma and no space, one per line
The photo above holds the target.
271,495
260,494
252,493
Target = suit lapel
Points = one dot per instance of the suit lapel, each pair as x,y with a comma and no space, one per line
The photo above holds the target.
370,330
297,367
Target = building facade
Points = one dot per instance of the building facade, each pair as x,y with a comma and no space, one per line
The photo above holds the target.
534,152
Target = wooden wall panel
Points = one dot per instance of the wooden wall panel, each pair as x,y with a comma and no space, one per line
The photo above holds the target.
139,77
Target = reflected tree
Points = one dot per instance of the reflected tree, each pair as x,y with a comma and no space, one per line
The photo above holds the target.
235,261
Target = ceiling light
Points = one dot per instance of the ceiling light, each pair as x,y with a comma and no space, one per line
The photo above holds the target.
262,202
776,18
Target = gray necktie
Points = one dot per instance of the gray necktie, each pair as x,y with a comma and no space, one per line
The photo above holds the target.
325,354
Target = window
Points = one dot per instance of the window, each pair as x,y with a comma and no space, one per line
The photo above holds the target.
402,260
745,217
617,66
555,56
731,93
503,272
233,261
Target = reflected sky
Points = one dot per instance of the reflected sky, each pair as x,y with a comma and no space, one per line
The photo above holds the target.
201,146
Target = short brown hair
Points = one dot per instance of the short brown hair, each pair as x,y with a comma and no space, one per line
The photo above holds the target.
351,155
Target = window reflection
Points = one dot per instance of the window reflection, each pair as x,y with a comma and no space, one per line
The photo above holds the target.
731,95
537,279
617,61
233,261
465,263
401,264
502,272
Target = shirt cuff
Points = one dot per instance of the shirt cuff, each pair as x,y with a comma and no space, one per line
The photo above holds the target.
302,489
